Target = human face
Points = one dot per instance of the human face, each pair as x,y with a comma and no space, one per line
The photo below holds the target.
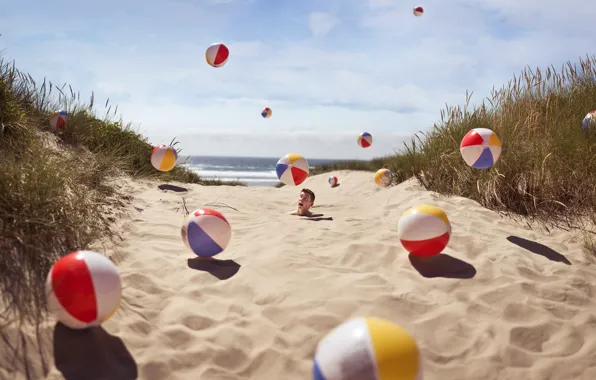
304,201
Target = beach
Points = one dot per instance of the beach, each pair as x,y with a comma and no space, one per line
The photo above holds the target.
501,302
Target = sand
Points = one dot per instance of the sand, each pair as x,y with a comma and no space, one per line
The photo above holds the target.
502,302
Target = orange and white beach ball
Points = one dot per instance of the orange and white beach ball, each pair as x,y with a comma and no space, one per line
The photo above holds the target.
424,230
164,157
365,140
384,177
83,289
58,120
292,169
217,55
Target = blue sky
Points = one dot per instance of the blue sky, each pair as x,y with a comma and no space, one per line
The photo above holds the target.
328,69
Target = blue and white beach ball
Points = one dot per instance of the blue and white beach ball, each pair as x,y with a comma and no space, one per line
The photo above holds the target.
206,232
367,349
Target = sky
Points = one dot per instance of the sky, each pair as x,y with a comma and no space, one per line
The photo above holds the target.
328,69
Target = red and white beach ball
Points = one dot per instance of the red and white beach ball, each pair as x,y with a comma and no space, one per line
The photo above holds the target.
333,181
217,54
58,120
206,232
418,11
292,169
83,289
424,230
365,140
164,157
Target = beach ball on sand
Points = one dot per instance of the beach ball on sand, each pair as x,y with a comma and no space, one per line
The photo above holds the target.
384,177
480,148
206,232
83,289
424,230
367,348
217,54
364,140
333,181
266,112
163,157
589,121
292,169
58,120
418,11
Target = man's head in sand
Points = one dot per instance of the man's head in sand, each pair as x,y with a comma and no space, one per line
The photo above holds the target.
305,202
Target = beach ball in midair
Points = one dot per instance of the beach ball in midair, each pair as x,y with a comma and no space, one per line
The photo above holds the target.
367,349
424,230
206,232
589,120
480,148
163,157
266,112
384,177
292,169
333,181
83,289
217,54
418,11
58,120
365,140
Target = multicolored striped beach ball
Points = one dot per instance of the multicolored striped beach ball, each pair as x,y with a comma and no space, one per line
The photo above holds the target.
266,112
384,177
424,230
364,140
217,55
480,148
206,232
589,121
418,11
83,289
164,157
333,181
58,120
367,349
292,169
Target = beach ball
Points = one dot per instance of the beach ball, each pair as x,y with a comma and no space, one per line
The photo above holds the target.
480,148
589,120
424,230
292,169
418,11
384,177
206,232
367,348
333,181
58,120
163,157
83,289
217,55
266,112
364,140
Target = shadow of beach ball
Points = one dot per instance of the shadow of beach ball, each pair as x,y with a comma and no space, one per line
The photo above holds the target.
83,289
424,230
367,348
206,232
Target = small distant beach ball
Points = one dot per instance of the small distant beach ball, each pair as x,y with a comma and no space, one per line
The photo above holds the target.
206,232
367,349
480,148
163,157
424,230
418,11
365,140
333,181
266,112
83,289
58,120
217,54
589,120
384,177
292,169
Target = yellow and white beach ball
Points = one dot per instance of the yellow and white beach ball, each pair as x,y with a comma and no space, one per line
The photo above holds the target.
164,157
367,349
292,169
424,230
384,177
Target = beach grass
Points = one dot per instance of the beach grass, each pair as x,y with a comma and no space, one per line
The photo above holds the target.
59,192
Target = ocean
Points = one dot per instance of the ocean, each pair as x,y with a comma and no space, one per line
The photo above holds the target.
255,171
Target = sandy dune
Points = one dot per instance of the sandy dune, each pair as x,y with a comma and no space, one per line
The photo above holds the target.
503,302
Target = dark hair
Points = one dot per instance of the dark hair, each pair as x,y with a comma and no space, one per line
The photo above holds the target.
310,193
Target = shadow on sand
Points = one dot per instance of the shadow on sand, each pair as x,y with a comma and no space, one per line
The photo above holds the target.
174,188
442,265
222,269
92,354
539,249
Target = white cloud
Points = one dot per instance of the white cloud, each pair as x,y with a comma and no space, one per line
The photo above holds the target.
321,23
